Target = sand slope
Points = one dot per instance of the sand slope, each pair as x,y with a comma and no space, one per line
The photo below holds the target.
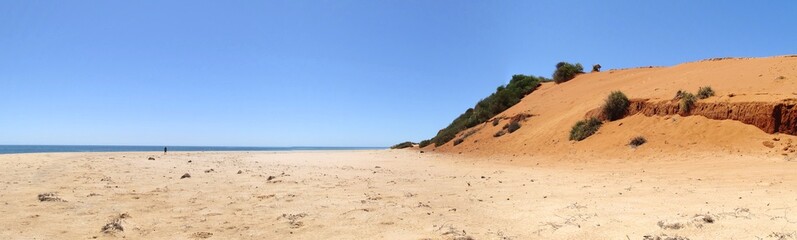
556,107
396,194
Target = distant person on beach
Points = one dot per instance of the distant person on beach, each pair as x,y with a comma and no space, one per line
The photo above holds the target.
164,150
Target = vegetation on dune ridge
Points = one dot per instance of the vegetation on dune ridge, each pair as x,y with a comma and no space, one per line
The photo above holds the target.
403,145
566,71
503,98
425,143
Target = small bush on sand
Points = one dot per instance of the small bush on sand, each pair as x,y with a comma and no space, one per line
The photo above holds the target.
637,141
496,122
584,128
499,133
687,102
566,71
513,126
458,141
403,145
615,106
596,68
705,92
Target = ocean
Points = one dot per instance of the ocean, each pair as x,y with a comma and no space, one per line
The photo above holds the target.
6,149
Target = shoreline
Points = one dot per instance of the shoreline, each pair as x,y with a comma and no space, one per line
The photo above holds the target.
287,149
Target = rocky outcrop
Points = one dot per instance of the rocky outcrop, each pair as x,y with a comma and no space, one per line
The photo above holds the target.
772,117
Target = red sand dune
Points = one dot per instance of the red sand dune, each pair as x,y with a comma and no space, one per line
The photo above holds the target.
739,118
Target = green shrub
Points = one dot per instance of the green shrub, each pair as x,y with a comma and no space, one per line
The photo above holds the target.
424,143
615,106
584,128
403,145
637,141
513,126
566,71
496,122
687,102
503,98
705,92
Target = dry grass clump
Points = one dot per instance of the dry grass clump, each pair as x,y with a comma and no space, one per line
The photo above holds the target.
637,141
687,102
705,92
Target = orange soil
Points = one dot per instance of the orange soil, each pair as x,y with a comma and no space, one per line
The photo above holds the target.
556,107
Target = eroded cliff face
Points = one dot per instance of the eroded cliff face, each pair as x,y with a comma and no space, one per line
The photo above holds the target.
772,117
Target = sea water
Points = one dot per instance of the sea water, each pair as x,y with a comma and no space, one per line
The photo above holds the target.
5,149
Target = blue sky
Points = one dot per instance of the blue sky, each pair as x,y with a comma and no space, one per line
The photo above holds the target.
326,73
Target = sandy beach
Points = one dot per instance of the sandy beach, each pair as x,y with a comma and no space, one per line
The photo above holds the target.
420,120
394,194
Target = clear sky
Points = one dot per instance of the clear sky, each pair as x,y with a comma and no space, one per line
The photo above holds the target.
326,73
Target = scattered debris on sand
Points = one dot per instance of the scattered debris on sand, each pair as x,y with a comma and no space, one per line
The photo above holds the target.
115,225
698,221
663,237
185,176
701,219
240,171
782,235
151,158
202,235
261,197
293,219
50,197
669,225
452,232
209,170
